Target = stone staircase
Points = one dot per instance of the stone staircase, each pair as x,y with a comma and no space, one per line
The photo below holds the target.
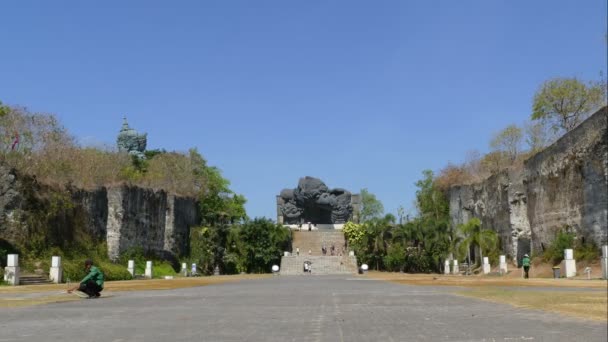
34,279
314,240
321,264
294,265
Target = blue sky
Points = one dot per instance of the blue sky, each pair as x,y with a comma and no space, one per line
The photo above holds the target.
362,94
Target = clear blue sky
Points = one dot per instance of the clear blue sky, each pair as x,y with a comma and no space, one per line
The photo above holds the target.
357,93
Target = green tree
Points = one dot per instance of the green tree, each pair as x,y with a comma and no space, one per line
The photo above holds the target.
263,243
508,141
485,240
4,109
219,204
565,102
378,233
371,207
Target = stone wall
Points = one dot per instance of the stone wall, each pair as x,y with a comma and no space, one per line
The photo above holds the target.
124,217
564,186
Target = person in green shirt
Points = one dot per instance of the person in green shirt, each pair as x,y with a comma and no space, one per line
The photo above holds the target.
92,283
526,264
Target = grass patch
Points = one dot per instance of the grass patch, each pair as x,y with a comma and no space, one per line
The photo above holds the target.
588,304
481,281
20,302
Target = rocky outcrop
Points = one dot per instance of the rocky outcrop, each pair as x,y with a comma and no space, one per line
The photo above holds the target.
500,203
567,184
563,187
124,217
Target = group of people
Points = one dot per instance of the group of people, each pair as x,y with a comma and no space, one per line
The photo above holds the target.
332,250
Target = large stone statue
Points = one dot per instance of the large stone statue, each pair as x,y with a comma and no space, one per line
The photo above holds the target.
130,141
312,201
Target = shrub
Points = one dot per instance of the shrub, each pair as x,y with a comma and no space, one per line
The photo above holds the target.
555,252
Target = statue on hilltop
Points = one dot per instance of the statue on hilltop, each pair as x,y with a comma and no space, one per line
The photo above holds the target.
130,141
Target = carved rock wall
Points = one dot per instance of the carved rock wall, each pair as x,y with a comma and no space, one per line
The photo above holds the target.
564,186
567,184
124,216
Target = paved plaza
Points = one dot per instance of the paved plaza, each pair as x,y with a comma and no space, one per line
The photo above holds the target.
292,308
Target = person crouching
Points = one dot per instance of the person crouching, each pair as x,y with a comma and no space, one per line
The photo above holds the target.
92,283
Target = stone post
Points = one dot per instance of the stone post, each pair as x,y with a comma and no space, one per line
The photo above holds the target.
503,265
455,267
184,270
446,267
569,263
56,272
11,271
131,267
486,265
148,273
605,261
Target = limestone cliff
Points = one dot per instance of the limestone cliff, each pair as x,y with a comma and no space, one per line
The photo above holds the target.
564,186
123,216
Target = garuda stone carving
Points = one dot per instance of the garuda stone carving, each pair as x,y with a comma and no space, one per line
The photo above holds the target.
130,141
312,201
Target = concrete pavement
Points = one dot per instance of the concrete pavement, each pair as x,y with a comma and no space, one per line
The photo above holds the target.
296,308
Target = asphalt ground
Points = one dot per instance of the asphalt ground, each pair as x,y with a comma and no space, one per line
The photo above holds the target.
292,308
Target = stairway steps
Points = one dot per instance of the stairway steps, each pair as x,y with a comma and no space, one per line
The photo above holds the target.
321,264
34,280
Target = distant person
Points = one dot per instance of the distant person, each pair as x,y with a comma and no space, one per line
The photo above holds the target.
526,263
309,227
92,283
298,251
333,249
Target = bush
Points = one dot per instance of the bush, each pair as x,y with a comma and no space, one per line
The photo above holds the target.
567,240
73,270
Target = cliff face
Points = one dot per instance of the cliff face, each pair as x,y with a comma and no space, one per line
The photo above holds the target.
500,203
567,184
124,217
564,186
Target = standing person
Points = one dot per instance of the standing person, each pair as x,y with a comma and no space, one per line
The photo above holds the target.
298,251
526,263
332,249
92,283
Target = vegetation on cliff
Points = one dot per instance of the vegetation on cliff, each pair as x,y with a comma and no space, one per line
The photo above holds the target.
422,243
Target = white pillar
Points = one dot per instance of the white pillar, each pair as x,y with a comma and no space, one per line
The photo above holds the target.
131,267
569,263
446,267
148,273
455,267
486,265
56,272
11,271
605,261
503,265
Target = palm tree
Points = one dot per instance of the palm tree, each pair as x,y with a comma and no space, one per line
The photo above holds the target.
379,230
474,235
